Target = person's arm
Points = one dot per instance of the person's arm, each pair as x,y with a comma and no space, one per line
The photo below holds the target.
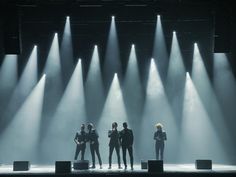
164,136
131,137
76,138
109,133
155,136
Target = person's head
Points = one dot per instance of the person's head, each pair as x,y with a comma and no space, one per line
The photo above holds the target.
90,126
82,127
125,125
114,125
159,126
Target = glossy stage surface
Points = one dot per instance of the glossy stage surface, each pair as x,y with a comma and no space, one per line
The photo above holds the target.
169,170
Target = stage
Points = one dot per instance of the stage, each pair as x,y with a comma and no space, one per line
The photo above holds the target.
169,170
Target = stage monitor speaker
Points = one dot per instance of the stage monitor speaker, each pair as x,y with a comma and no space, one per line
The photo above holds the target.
155,166
203,164
11,35
21,165
81,165
63,166
144,164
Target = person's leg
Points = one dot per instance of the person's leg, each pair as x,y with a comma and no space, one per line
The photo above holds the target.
118,154
92,149
76,152
162,151
130,150
82,152
111,148
124,156
157,151
98,155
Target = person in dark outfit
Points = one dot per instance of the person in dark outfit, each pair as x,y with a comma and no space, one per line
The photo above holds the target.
160,137
114,143
80,140
92,137
126,139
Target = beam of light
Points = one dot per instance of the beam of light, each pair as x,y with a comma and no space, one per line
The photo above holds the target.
66,52
112,57
94,88
208,98
19,140
70,114
133,93
8,80
175,81
25,84
156,109
159,49
225,89
200,78
53,87
197,139
113,111
53,66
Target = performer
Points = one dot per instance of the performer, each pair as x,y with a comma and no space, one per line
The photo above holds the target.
114,143
80,140
94,144
127,138
160,137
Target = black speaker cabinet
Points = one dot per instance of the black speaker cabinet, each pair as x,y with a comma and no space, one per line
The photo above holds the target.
144,164
155,166
203,164
81,165
63,166
21,165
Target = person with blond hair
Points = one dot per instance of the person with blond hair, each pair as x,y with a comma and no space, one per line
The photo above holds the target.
160,137
92,137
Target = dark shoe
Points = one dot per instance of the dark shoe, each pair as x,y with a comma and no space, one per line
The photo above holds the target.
109,167
92,167
132,168
119,167
100,166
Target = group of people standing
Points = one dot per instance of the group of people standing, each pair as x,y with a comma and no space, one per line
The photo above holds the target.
91,136
123,139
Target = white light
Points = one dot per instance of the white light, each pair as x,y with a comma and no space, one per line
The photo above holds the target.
174,32
67,17
152,59
133,45
95,46
158,16
55,34
187,75
35,46
195,44
113,17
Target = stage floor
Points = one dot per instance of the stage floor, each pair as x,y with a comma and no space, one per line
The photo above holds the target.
168,168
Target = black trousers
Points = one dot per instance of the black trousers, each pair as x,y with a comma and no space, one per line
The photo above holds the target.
80,148
130,150
95,148
111,148
159,150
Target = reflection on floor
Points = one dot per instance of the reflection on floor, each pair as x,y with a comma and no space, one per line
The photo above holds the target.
172,168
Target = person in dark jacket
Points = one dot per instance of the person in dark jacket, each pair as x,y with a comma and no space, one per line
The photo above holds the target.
114,143
80,140
92,137
160,137
126,139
